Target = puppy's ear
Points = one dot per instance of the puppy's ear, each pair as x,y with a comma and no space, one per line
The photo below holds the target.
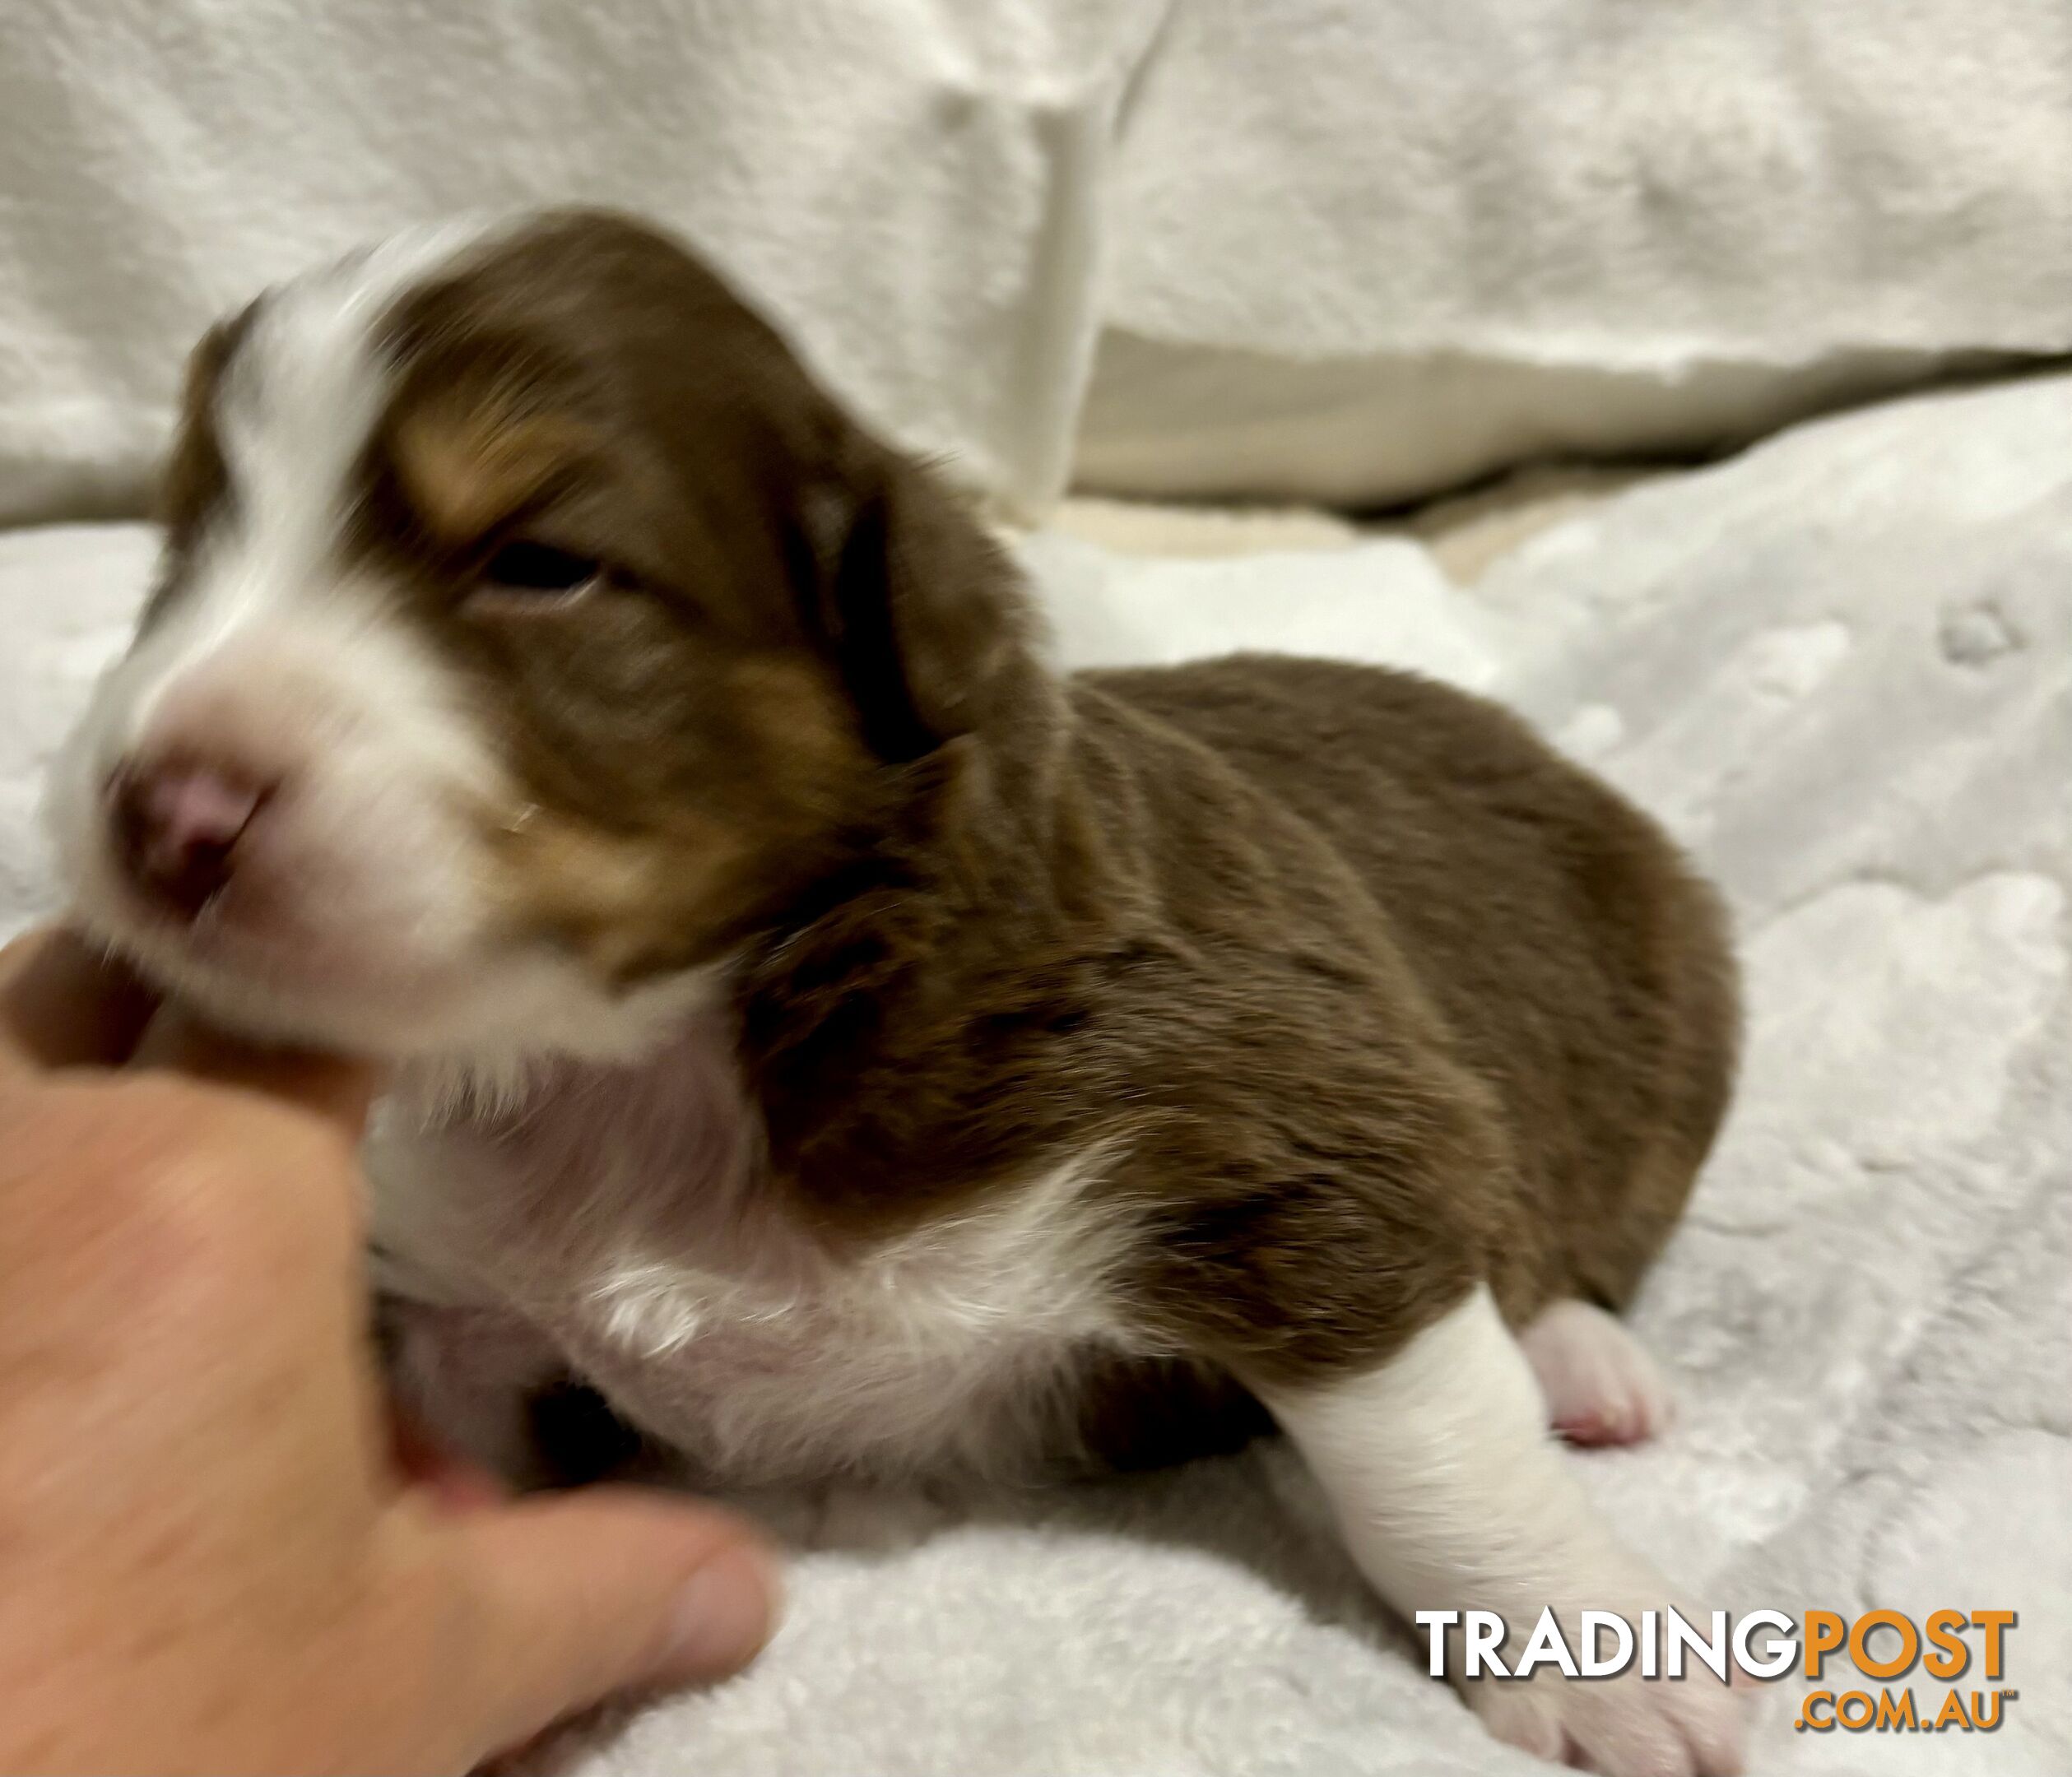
923,615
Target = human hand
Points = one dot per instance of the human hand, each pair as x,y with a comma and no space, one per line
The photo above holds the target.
216,1558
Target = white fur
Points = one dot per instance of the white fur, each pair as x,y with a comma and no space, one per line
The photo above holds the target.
1452,1496
278,661
951,1343
627,1214
1449,1493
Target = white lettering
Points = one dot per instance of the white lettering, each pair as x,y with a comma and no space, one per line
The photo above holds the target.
1546,1648
1682,1635
1485,1634
1779,1656
1594,1624
1438,1622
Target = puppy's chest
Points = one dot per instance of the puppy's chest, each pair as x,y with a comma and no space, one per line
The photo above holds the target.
632,1231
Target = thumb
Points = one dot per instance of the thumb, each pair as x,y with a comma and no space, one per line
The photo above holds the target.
604,1590
334,1088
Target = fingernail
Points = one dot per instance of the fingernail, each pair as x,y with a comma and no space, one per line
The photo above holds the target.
724,1615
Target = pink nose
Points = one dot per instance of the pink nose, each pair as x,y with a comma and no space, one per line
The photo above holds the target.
177,827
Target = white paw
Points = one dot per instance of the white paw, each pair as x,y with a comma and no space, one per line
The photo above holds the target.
1600,1386
1622,1727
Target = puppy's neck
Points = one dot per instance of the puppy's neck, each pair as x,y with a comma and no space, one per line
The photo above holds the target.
682,1099
491,1084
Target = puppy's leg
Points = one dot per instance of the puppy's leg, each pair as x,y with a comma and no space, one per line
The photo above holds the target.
1451,1495
1600,1386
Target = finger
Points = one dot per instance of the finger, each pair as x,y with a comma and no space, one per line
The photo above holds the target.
606,1590
334,1087
64,1002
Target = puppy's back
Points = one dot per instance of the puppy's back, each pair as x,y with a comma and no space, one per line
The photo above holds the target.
1585,972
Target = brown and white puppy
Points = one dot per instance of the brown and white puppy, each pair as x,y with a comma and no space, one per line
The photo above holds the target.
847,1044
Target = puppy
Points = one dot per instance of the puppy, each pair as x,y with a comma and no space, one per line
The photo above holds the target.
848,1046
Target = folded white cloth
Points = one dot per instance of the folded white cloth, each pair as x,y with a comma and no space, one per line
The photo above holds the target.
1842,668
1345,249
1368,250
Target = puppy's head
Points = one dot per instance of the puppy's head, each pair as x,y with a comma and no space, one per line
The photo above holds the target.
531,630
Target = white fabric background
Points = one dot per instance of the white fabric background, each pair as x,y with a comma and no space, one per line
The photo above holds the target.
1374,248
909,184
1334,249
1842,668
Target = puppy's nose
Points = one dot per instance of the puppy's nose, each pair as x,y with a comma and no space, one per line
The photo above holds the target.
177,827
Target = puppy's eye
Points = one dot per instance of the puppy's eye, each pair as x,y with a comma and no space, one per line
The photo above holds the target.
523,565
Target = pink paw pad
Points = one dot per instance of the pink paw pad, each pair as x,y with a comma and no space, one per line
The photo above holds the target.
1601,1387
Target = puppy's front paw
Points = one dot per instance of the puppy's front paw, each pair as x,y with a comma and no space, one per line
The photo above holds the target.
1623,1726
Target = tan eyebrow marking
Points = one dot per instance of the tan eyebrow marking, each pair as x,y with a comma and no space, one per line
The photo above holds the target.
466,465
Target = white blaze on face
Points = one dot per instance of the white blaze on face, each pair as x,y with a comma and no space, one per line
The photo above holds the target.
357,913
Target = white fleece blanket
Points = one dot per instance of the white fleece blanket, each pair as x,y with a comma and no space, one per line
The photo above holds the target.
1353,250
1842,668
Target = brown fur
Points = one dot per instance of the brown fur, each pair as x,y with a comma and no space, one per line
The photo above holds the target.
1366,994
1378,995
194,481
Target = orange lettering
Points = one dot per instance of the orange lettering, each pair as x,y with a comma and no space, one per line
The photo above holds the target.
1993,1622
1946,1630
1824,1631
1859,1643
